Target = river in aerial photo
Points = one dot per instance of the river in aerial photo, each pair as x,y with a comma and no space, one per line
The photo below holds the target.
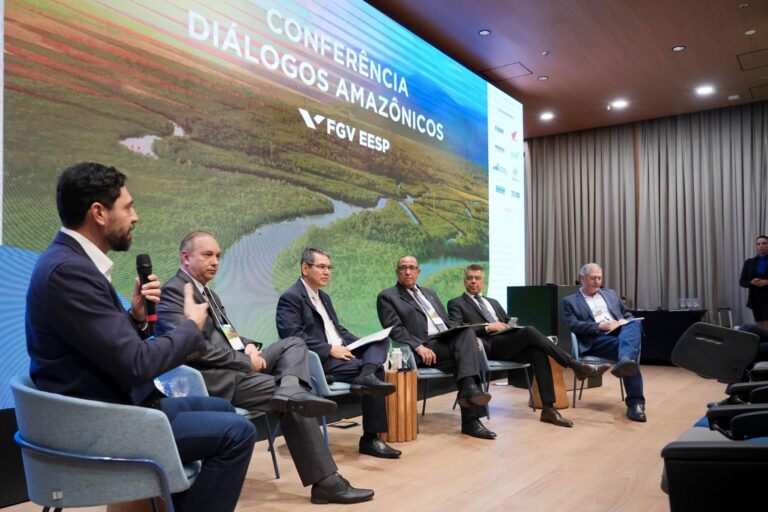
247,266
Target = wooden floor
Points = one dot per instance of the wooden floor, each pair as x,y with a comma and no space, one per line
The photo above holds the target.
604,463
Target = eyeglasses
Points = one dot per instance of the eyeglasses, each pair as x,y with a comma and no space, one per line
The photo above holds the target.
406,268
473,278
321,266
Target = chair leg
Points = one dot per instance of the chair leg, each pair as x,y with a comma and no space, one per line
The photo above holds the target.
153,501
325,433
581,389
621,387
271,441
424,403
530,388
574,391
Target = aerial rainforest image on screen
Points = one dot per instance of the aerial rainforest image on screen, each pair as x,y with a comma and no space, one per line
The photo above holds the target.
274,125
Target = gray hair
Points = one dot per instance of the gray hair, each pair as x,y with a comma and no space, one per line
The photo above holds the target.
308,255
587,267
186,242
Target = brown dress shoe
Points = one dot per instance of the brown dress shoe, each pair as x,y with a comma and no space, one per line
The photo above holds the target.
587,370
550,415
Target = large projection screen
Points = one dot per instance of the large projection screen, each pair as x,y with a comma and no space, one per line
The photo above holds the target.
275,125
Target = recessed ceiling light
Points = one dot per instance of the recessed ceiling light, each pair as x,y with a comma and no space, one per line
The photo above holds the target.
545,53
750,32
543,78
743,5
734,97
547,116
485,32
618,104
678,48
705,90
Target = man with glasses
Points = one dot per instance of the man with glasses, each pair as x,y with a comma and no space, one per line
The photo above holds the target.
418,318
304,310
605,328
275,380
520,344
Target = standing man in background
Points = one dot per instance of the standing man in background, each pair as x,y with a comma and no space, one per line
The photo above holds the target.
754,277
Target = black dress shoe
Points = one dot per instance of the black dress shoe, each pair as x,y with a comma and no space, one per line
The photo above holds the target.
471,395
337,489
378,448
625,367
371,385
297,399
475,428
636,412
551,415
587,370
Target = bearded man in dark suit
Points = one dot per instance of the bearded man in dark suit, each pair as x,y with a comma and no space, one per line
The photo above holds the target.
83,343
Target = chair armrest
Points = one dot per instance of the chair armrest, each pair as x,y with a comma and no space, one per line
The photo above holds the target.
721,416
727,450
742,389
759,395
750,425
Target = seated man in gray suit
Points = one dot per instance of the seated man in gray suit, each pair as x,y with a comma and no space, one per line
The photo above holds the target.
523,345
605,328
274,380
418,318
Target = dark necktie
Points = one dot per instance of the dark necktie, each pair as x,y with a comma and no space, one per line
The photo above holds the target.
484,310
214,307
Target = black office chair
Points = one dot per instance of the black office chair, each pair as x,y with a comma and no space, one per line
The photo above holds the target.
722,466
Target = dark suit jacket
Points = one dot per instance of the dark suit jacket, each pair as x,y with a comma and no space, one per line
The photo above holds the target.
398,309
296,316
218,361
757,297
464,310
578,315
80,339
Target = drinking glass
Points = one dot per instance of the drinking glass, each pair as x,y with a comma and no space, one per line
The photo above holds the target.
179,387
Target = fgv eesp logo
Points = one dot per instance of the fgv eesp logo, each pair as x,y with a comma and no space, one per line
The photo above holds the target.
345,131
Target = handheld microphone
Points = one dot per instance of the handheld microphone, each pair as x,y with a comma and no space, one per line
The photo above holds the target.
144,268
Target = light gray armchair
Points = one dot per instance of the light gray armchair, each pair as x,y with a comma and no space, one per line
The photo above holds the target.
320,387
197,388
82,453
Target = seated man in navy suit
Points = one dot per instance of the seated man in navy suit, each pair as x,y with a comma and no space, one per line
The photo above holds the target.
523,345
605,328
83,343
304,310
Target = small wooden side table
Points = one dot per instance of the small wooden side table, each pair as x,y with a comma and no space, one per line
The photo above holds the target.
561,397
401,407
